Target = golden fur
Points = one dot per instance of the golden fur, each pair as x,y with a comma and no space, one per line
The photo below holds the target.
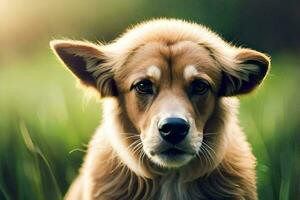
120,163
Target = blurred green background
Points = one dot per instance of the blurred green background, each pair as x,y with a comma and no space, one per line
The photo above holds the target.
46,122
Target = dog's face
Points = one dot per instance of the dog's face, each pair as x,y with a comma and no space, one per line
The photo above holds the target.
169,86
169,92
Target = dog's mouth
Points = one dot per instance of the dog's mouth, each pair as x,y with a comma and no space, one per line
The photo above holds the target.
171,157
173,152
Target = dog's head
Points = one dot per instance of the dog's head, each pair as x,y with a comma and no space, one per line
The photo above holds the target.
169,78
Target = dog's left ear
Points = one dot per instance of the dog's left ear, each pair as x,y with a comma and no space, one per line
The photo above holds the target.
88,63
248,71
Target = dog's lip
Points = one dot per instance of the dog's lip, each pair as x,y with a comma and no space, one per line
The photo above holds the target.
171,151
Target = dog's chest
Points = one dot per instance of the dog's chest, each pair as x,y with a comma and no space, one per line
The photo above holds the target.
172,187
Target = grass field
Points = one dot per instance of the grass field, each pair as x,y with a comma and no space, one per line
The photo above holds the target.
46,122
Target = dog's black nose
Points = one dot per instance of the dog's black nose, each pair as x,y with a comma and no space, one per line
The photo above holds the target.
173,129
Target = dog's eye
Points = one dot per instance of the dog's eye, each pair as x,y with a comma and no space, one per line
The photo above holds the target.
199,87
144,87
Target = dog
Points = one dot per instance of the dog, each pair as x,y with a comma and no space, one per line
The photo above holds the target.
170,129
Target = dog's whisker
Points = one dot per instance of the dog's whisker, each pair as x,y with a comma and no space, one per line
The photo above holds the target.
138,147
133,144
200,158
140,160
202,155
205,150
210,157
211,149
206,155
207,134
130,135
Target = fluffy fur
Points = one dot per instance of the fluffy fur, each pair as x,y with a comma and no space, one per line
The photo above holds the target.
118,164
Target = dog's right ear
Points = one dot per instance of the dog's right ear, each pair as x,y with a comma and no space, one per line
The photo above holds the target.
246,74
88,63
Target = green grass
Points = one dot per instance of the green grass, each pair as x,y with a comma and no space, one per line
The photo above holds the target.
46,122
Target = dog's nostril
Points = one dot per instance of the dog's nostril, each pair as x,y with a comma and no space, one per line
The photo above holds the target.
165,129
173,129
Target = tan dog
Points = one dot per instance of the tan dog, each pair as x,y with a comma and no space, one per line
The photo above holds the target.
170,129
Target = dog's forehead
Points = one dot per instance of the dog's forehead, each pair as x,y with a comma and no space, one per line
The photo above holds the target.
175,51
157,60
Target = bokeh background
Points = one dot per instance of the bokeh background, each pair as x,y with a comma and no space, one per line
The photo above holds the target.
46,122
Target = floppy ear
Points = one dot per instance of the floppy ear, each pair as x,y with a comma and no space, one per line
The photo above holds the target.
246,74
88,63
